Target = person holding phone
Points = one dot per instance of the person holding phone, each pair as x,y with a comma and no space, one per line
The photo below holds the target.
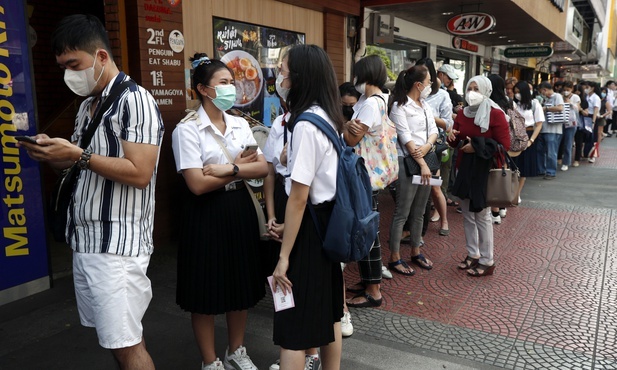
111,214
219,235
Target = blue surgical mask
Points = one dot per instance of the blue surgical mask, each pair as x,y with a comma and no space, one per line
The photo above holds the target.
225,96
603,95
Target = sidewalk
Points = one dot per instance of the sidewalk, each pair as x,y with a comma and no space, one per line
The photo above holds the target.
550,305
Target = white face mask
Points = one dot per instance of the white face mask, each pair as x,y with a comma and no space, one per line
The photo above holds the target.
567,93
361,88
517,96
426,91
82,82
282,91
474,98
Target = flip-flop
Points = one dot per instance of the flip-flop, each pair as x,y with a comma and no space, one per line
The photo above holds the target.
370,301
421,262
452,203
392,267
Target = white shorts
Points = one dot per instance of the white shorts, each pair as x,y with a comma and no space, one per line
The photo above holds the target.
113,293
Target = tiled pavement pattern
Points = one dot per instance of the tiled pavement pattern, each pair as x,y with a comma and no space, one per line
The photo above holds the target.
552,302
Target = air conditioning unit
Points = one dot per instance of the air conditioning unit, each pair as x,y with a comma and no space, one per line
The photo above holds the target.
381,29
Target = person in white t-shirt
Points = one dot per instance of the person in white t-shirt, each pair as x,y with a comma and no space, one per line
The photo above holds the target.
364,133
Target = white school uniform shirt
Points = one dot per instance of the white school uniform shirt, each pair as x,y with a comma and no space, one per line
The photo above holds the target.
194,145
312,159
533,115
410,121
275,143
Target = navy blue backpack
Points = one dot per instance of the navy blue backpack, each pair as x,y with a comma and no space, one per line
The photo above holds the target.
353,226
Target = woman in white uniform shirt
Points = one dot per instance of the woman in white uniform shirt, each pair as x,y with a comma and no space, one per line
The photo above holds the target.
417,133
219,234
303,268
531,110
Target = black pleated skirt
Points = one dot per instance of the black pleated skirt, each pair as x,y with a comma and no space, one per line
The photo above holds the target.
219,254
527,161
317,289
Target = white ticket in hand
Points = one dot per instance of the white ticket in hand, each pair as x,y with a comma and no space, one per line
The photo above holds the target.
434,181
281,301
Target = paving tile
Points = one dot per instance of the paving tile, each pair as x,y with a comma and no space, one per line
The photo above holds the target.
531,355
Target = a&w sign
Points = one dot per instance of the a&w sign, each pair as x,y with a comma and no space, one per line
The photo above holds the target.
470,24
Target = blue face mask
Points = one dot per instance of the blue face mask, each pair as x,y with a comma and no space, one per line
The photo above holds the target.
225,96
603,95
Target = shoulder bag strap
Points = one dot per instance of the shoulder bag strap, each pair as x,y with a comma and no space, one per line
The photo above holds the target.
111,98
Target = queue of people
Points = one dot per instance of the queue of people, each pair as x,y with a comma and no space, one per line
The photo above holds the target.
215,153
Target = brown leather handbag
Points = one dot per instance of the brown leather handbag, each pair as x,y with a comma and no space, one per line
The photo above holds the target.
502,183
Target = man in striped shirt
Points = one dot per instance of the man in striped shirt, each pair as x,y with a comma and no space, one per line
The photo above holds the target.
112,210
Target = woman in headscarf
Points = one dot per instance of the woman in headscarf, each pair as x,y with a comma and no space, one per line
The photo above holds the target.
477,133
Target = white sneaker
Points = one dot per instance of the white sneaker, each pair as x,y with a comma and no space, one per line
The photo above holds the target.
564,168
520,200
312,363
503,212
346,326
592,160
385,273
238,360
276,365
496,219
216,365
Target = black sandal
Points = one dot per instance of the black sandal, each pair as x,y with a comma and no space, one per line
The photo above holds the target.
468,263
481,270
370,301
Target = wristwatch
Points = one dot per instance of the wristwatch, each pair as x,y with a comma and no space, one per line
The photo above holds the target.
235,169
84,160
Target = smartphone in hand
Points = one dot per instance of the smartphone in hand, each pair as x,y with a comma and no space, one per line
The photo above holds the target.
250,149
27,139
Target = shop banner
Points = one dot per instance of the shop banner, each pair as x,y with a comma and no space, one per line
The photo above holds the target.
253,53
23,253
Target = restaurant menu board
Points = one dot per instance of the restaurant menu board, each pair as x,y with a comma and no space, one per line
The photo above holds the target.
161,53
253,53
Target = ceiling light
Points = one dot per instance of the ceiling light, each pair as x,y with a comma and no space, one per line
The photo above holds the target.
447,13
503,37
511,40
492,33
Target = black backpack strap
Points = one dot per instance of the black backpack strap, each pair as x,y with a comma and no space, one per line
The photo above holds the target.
111,98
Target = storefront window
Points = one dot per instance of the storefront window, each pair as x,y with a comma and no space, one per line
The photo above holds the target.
403,54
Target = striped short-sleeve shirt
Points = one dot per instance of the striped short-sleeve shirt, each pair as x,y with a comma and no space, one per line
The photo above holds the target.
106,216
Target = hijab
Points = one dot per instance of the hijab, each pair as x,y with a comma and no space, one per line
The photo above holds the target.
481,113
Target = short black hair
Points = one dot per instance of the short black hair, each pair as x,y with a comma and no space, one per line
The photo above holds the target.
523,89
347,88
371,70
83,32
203,72
545,85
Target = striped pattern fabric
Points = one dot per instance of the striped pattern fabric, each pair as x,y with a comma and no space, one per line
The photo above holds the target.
106,216
558,117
